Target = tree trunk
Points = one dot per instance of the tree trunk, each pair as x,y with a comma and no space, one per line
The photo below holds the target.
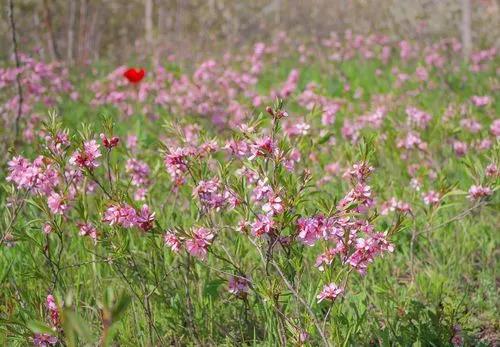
82,28
148,20
71,30
466,29
50,33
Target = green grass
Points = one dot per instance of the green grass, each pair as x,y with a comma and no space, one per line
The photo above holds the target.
412,297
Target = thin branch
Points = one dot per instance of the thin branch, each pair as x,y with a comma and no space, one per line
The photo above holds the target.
18,66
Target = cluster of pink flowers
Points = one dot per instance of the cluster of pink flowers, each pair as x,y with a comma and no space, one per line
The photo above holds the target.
86,158
42,84
431,198
128,217
477,192
418,117
53,310
196,243
44,340
197,246
212,196
310,99
395,205
87,229
352,127
139,172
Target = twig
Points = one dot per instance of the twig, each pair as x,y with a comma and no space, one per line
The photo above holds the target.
18,65
295,294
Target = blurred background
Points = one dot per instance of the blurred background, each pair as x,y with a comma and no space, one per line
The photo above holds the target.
83,31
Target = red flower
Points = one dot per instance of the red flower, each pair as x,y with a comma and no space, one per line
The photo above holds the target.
133,75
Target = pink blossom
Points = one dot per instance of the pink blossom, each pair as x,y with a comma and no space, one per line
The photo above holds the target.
109,143
172,241
53,310
460,148
264,224
239,149
123,215
328,256
495,128
492,170
431,198
87,229
477,192
145,218
330,292
310,229
209,194
481,101
367,249
263,147
57,203
139,172
44,340
360,172
418,117
238,286
47,228
197,246
457,340
274,205
395,205
87,157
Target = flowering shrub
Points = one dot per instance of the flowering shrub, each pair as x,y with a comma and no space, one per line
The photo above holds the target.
304,213
42,84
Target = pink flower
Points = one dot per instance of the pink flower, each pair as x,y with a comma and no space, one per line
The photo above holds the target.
237,148
87,229
172,241
87,157
495,128
394,205
238,286
418,117
176,164
359,172
460,148
57,203
209,194
328,256
47,228
145,218
198,245
431,198
109,143
53,310
481,101
263,147
330,292
492,170
123,215
264,224
457,340
477,192
44,340
422,74
139,172
310,229
274,205
367,249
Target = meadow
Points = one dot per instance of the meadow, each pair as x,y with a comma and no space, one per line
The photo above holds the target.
291,194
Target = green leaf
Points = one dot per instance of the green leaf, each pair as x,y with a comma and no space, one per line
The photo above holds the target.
39,327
